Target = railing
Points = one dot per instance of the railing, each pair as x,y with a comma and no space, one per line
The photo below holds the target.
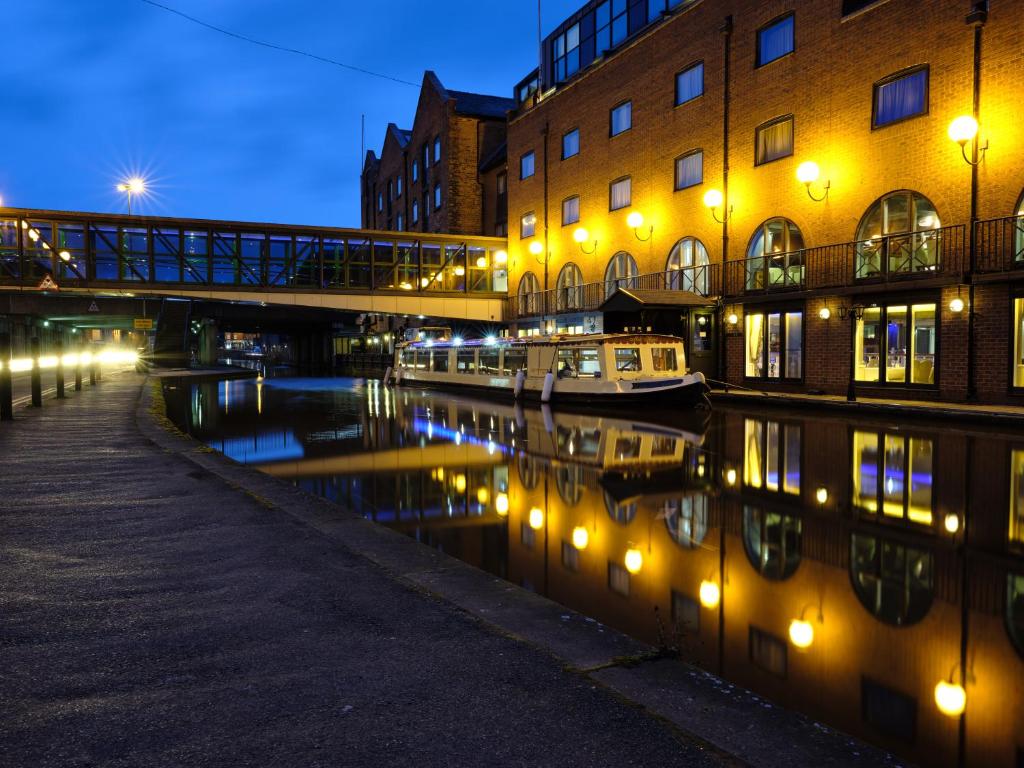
772,272
1000,244
88,250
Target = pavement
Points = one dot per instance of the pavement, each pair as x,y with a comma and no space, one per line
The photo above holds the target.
164,606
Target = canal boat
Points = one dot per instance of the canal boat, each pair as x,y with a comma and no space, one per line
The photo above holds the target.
583,370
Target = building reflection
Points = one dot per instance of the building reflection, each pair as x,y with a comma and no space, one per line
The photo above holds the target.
842,569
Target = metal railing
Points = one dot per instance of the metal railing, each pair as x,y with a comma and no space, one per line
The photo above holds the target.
1000,244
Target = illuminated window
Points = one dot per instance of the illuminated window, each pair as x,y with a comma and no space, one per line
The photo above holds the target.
569,288
690,170
775,40
527,165
664,359
399,223
620,194
771,460
415,211
894,474
621,118
501,183
899,234
627,359
566,53
571,144
1015,533
465,361
1018,342
687,266
772,542
775,257
894,582
437,196
380,201
774,345
686,520
527,225
690,83
415,171
398,187
900,97
570,210
773,140
621,272
768,652
1018,233
529,295
896,345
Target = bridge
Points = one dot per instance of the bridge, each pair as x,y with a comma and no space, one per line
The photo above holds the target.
395,273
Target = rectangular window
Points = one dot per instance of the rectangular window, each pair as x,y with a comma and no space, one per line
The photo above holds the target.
570,557
415,171
571,210
774,345
1018,343
465,361
1015,532
437,150
890,712
664,359
502,183
621,118
772,458
437,196
488,364
391,191
527,225
690,83
527,536
566,53
380,201
690,170
527,165
398,187
578,362
627,359
852,6
620,194
426,158
895,474
773,140
415,211
571,144
611,22
399,223
618,579
685,613
900,97
513,361
775,40
897,345
768,652
439,360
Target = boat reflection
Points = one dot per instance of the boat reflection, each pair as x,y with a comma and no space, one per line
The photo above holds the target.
867,574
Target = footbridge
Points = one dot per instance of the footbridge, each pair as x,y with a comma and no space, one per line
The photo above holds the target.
398,273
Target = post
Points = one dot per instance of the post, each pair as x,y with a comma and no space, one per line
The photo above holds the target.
78,368
6,391
93,365
37,381
60,369
851,388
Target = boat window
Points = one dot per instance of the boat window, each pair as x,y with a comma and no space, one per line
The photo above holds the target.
627,448
515,361
663,446
465,361
578,443
664,359
627,359
578,362
439,360
489,362
1015,533
892,581
407,358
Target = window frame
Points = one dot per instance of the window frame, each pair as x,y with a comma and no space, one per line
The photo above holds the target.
564,137
910,301
532,154
1016,336
782,310
905,72
577,219
675,170
415,211
611,118
768,124
881,433
758,64
437,150
522,221
611,185
782,423
438,197
683,71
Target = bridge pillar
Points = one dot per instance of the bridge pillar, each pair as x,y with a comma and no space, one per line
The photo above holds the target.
208,343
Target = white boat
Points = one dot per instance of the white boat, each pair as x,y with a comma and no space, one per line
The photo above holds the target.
601,368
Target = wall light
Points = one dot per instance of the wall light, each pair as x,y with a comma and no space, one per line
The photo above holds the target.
636,220
964,130
801,633
536,518
501,504
536,248
957,305
733,318
807,174
581,236
821,495
633,561
580,538
501,257
825,313
713,200
710,594
950,698
951,523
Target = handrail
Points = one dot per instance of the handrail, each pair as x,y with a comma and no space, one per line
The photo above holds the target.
1000,244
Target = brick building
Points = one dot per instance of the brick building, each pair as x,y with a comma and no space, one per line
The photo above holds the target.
442,174
657,149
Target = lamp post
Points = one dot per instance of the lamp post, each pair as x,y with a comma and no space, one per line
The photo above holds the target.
132,186
855,315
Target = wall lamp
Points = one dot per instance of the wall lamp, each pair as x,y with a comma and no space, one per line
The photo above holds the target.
713,199
581,236
807,174
957,305
636,221
964,130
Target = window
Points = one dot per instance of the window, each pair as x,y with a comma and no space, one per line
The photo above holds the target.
502,183
773,140
890,712
529,296
465,361
774,345
902,336
571,144
527,225
527,165
437,196
415,171
391,191
686,268
893,581
899,234
415,211
690,83
437,150
439,360
611,20
513,361
620,194
1015,623
618,579
1018,343
1015,532
398,186
570,210
380,201
627,360
775,40
686,518
771,456
685,613
569,288
664,359
690,169
768,652
852,6
570,557
400,223
621,118
621,272
775,256
426,159
900,97
895,474
566,52
771,540
579,363
527,536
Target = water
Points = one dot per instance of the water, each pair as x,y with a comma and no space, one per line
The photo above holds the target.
734,538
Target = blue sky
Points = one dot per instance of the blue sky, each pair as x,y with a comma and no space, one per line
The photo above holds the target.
95,90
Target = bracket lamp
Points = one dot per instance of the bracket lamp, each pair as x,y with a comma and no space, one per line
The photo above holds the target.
964,130
807,174
636,220
581,236
714,199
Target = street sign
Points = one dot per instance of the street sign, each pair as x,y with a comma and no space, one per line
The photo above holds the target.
143,324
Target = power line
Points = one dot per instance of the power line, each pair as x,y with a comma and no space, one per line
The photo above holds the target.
308,55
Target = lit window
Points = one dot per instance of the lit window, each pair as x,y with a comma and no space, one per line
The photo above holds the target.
1015,533
893,474
774,140
895,344
415,211
570,210
622,118
527,225
775,40
437,196
900,234
569,288
571,144
900,97
664,359
437,149
774,345
621,272
771,459
1018,342
426,159
686,268
775,257
690,83
566,52
627,360
690,169
527,165
502,183
611,20
620,194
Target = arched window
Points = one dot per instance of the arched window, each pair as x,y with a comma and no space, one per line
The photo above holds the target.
686,269
772,542
529,295
775,256
687,520
899,234
529,474
569,288
893,582
621,273
569,481
1015,610
622,514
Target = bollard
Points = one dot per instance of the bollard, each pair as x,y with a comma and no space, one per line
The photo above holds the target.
60,369
6,388
78,369
37,378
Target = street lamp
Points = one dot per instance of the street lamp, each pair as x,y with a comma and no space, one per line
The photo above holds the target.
133,186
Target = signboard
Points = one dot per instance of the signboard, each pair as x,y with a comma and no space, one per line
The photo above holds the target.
143,324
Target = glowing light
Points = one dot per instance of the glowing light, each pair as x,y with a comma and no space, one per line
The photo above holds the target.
634,561
713,198
65,255
33,235
536,518
491,341
460,483
482,495
950,698
440,474
952,523
710,595
822,495
635,219
457,341
405,286
808,172
801,633
481,262
580,235
580,538
424,282
733,319
825,313
730,477
956,305
536,248
501,257
501,504
460,271
963,129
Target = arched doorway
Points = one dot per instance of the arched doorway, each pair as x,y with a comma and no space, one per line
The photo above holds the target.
620,273
529,297
686,268
775,257
899,234
569,288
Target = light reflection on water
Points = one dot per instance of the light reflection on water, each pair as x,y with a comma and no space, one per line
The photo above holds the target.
818,561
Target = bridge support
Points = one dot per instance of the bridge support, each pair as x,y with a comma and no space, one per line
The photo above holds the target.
208,343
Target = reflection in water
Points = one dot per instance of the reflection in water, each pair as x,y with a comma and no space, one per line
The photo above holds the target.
823,563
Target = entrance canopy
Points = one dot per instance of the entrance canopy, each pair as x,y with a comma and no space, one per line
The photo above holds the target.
635,300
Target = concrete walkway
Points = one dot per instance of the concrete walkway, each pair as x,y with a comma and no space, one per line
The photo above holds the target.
163,606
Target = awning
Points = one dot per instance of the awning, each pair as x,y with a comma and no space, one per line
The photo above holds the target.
634,299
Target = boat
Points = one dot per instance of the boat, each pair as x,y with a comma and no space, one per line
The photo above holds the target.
580,369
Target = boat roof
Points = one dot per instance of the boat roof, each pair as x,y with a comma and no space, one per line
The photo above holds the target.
558,340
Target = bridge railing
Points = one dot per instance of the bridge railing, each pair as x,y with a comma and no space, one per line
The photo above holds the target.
88,250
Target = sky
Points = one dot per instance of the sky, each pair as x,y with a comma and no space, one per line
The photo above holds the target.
95,91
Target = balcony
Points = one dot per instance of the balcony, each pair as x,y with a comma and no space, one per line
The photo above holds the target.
1000,244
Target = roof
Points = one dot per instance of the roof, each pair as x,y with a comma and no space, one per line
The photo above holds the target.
402,136
472,104
632,299
498,157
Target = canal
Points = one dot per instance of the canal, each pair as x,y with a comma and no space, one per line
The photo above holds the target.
867,573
